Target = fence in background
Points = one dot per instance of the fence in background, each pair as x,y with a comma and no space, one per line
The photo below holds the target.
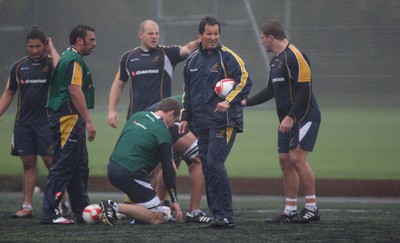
352,45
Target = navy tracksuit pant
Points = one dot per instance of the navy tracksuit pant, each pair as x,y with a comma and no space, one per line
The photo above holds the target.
214,147
70,168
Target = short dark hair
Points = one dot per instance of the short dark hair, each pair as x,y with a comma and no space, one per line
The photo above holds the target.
36,33
208,21
274,28
79,31
169,104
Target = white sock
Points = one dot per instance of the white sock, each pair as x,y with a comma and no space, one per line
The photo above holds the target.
289,210
311,206
27,206
195,212
115,206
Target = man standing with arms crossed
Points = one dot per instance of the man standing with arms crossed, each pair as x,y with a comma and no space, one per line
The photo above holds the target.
290,83
216,120
71,95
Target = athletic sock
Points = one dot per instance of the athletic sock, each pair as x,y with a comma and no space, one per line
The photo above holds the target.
311,206
27,206
311,203
194,212
115,206
290,210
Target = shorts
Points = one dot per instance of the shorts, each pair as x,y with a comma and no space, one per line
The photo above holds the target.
190,153
32,139
135,185
174,130
304,133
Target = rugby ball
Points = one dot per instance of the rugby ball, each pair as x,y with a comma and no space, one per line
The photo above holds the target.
224,87
92,214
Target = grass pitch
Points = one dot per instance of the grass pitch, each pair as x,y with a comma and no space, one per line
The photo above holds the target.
342,220
352,144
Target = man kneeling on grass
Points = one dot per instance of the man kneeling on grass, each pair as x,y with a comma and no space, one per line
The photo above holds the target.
144,142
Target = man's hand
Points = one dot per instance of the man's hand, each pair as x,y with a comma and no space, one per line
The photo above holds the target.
115,95
113,119
286,125
49,42
177,208
91,131
222,106
183,125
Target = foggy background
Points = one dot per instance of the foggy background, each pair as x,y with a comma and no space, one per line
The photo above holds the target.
352,44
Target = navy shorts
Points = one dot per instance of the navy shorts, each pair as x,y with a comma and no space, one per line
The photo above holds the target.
174,130
134,184
190,153
304,133
32,139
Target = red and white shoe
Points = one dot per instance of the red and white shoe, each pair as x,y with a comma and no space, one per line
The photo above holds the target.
23,213
62,220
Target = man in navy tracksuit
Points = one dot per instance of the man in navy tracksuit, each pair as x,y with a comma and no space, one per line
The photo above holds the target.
216,120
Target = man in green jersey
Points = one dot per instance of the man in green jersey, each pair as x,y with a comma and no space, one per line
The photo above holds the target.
70,98
144,142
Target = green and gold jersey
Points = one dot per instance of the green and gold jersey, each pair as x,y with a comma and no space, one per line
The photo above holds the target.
80,75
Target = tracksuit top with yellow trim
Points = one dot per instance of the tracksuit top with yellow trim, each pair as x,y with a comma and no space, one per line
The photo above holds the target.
59,86
203,69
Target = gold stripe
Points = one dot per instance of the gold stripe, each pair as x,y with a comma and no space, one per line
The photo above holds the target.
8,84
183,108
162,76
67,123
77,77
304,68
243,79
229,131
117,76
127,199
224,69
